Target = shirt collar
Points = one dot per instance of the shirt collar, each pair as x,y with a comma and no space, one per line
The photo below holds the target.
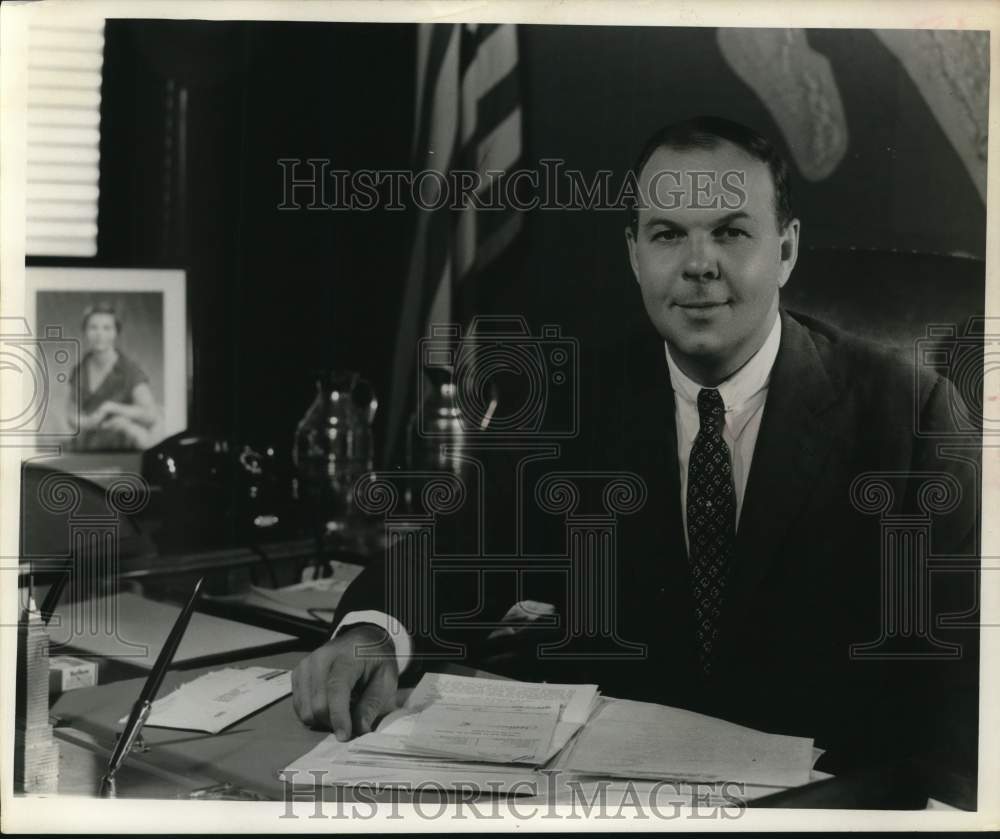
743,385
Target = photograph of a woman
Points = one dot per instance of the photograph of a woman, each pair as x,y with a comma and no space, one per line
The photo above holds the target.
115,376
117,410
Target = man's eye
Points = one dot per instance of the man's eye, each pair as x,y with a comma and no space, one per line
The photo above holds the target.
729,232
667,235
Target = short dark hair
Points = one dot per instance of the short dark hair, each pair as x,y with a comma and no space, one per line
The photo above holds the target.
102,308
706,132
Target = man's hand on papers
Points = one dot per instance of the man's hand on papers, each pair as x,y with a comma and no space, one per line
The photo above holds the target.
349,682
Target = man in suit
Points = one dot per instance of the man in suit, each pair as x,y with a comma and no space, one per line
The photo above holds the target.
759,567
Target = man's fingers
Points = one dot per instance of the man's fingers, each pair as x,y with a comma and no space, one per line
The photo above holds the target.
300,693
378,697
340,681
325,682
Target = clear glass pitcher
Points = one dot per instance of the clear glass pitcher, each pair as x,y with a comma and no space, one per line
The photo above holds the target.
334,445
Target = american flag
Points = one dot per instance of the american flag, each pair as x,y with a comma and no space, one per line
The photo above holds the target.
468,118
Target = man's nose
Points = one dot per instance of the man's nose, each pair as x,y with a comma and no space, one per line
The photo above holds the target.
700,261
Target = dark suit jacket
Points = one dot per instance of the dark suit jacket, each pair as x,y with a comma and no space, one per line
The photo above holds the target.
812,571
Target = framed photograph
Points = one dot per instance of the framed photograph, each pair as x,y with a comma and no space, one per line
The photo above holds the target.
114,342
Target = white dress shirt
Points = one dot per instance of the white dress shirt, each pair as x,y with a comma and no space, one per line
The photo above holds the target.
743,394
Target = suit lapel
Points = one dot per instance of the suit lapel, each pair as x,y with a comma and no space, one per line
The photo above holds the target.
792,445
648,440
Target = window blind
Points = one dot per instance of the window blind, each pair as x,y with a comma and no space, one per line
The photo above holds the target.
63,138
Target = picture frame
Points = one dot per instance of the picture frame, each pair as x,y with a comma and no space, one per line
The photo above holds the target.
108,337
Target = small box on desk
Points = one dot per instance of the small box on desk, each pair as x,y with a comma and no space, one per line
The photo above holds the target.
69,673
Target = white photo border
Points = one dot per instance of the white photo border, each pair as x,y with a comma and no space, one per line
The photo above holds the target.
170,282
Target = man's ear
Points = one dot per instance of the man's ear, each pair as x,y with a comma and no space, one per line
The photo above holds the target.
632,259
788,242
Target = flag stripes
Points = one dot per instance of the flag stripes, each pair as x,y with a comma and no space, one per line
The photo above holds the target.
469,118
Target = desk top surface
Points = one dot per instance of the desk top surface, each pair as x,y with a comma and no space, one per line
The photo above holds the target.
249,754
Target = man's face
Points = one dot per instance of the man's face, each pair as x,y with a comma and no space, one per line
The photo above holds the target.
708,256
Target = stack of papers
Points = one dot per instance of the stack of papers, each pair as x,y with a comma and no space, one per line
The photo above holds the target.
641,740
494,733
453,729
489,720
314,599
456,730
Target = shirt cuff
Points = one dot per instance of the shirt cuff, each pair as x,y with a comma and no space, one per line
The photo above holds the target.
400,637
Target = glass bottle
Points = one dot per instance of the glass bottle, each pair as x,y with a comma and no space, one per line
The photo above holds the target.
334,446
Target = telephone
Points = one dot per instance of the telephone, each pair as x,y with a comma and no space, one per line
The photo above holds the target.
213,492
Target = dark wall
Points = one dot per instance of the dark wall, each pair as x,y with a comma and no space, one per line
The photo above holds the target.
195,117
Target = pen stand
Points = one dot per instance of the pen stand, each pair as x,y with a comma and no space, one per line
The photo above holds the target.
139,747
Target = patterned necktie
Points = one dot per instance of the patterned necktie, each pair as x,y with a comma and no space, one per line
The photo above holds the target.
711,520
